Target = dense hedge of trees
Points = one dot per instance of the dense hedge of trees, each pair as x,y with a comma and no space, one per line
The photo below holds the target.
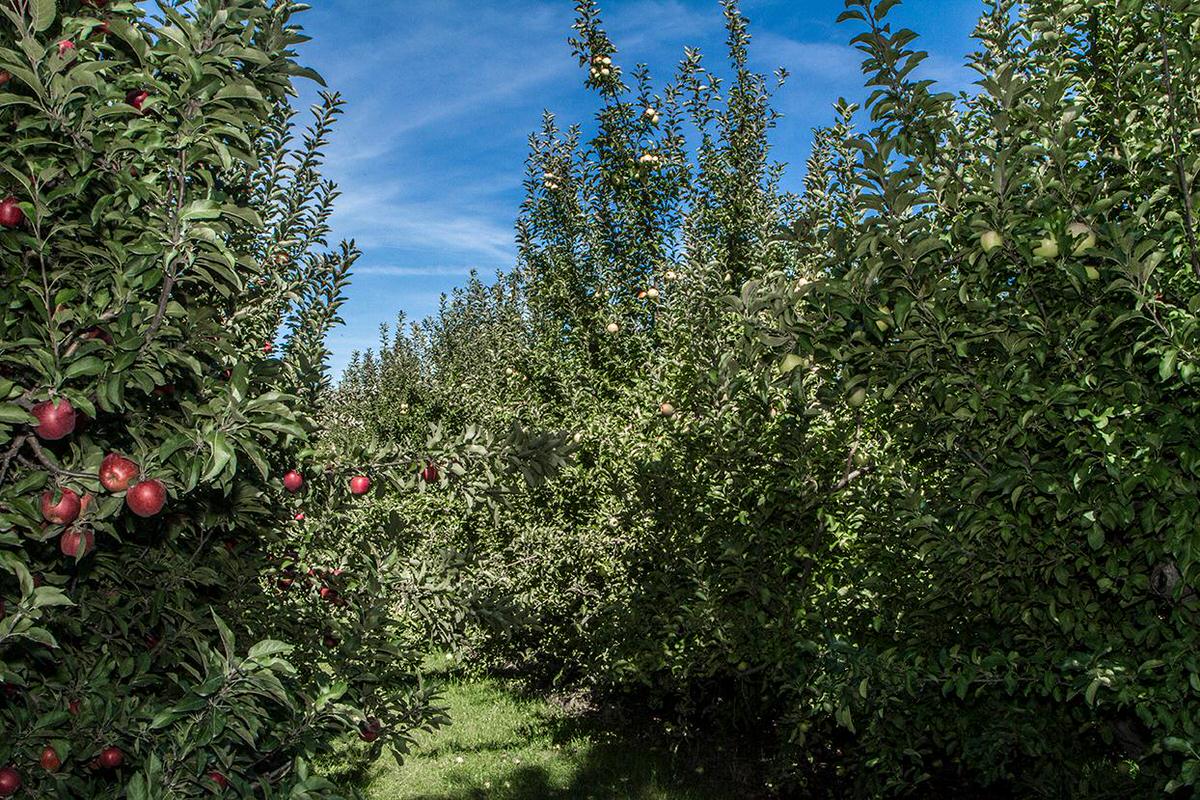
900,470
169,626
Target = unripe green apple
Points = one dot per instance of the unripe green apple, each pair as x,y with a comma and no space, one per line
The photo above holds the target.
1047,248
990,240
857,398
1085,238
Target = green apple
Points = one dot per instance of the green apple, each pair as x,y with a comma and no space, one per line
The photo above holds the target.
1084,236
1047,248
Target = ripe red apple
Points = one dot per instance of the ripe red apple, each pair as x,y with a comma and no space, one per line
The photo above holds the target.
66,47
10,782
369,731
77,543
299,517
56,420
360,484
293,481
5,77
220,780
330,641
111,757
65,511
147,498
74,707
98,333
430,474
117,472
11,214
50,760
136,98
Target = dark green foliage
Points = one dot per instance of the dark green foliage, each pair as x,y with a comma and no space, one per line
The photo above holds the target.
899,473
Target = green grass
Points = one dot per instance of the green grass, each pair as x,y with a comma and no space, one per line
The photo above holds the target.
502,746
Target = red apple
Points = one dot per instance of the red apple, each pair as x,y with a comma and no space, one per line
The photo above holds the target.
147,498
136,97
111,757
10,782
293,481
220,780
369,731
56,420
5,77
74,706
330,641
77,542
11,214
299,517
430,474
66,47
117,472
50,760
98,333
360,484
65,511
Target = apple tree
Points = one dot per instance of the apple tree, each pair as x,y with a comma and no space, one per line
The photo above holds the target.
168,288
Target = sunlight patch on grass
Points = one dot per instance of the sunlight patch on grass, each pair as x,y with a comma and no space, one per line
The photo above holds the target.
505,747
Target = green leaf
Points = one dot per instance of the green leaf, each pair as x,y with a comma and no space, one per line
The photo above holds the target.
43,13
10,412
1166,367
88,365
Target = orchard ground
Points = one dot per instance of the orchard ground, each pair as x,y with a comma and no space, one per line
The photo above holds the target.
507,743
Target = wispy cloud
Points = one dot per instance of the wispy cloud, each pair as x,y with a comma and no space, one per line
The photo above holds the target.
418,271
809,60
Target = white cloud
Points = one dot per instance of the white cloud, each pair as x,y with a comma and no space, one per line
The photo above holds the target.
392,271
808,60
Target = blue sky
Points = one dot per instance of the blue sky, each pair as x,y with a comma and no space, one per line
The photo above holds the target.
442,95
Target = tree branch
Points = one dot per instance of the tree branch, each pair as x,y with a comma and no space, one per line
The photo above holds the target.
40,455
1189,215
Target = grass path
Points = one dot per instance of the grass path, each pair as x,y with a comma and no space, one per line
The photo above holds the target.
502,746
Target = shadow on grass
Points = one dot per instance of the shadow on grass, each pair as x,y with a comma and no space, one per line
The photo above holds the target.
606,764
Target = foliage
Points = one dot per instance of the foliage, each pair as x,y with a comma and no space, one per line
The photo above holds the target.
160,227
898,471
